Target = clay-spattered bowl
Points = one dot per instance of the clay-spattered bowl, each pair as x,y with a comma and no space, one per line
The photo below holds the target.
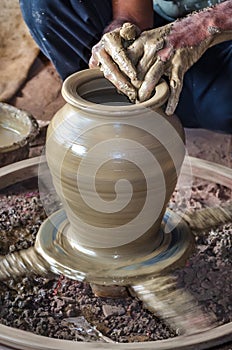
17,129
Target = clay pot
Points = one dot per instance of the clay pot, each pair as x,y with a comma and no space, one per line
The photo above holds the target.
114,166
17,129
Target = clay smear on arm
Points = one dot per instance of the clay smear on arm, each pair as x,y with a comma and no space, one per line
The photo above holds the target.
211,22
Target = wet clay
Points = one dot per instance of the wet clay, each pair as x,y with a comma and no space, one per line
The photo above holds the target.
8,136
102,162
90,148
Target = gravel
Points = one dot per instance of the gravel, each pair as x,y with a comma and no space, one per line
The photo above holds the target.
61,308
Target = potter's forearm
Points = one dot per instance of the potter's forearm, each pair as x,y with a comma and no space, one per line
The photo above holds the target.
213,24
222,22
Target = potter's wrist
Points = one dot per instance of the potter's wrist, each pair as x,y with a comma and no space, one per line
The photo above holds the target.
117,23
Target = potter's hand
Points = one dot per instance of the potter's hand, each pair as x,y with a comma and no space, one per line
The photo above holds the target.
110,55
172,49
137,69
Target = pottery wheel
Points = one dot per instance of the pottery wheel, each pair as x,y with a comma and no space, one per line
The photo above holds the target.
21,340
173,251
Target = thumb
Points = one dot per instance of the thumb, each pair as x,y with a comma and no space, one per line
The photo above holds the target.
176,84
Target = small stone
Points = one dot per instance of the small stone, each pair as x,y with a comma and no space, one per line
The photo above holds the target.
109,291
72,312
111,310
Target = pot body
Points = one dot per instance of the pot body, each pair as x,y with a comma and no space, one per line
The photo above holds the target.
114,166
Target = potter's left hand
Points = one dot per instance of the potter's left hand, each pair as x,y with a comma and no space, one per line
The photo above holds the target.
110,55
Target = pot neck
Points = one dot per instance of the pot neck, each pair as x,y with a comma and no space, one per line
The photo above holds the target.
89,90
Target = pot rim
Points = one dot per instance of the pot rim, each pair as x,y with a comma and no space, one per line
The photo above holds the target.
71,95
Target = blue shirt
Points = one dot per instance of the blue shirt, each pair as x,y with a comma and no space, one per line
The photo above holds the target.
173,9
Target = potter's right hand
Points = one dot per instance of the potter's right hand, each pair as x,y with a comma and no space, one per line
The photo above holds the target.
109,54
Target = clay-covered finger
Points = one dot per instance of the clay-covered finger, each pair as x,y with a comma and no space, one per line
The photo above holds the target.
136,51
129,31
113,45
148,59
175,87
94,60
113,74
178,69
144,65
151,80
93,63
